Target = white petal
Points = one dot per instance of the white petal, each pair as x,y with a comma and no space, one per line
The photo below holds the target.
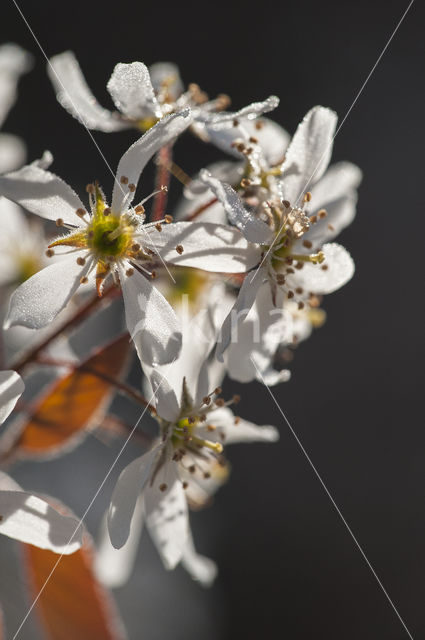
313,278
167,515
339,180
75,96
14,61
166,75
38,300
138,155
166,402
239,311
309,153
241,430
254,230
29,519
132,92
211,247
42,193
113,567
202,569
11,387
341,213
13,152
151,321
250,112
130,485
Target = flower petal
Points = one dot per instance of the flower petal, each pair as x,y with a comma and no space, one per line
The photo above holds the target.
132,92
130,485
42,193
250,112
12,152
11,387
309,153
339,180
166,402
30,519
202,569
166,75
254,230
339,269
151,321
75,96
113,567
167,516
38,300
14,61
211,247
138,155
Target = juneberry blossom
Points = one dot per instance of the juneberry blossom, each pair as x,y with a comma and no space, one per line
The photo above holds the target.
142,96
24,516
187,465
292,211
14,61
113,241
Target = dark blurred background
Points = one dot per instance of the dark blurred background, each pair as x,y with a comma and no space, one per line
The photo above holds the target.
288,567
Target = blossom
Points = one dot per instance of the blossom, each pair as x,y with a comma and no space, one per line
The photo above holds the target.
293,225
24,516
187,464
142,96
113,241
14,61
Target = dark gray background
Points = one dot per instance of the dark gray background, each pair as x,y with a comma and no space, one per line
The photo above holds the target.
288,567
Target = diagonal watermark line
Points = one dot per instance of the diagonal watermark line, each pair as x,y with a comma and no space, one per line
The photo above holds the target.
92,138
342,122
347,526
88,508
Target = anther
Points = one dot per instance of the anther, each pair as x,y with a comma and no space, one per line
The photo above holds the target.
84,280
107,211
307,244
301,305
206,400
211,427
286,204
207,475
135,247
220,402
50,253
153,274
81,212
163,487
331,227
158,226
90,188
253,139
245,183
192,468
313,219
299,290
236,420
259,125
324,267
124,180
179,249
132,187
217,391
185,485
129,272
81,261
307,196
290,294
236,399
140,209
236,122
280,279
322,213
59,222
191,420
168,219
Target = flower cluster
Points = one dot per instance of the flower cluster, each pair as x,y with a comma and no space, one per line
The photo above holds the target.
227,284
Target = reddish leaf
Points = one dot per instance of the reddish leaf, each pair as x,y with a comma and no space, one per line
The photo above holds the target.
74,404
71,604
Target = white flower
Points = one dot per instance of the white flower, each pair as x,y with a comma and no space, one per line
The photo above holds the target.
24,516
142,96
14,61
113,241
187,464
294,225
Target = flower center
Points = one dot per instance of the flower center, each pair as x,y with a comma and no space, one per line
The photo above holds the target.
109,236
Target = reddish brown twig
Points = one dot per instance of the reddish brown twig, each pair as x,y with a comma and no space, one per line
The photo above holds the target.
201,209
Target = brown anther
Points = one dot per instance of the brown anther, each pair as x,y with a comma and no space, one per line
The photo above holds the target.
313,219
286,204
299,290
153,274
249,151
322,213
81,261
168,219
107,211
324,267
307,196
139,209
290,294
84,280
211,427
301,305
289,260
299,266
202,417
314,301
331,227
307,244
245,183
192,468
290,270
90,188
253,139
236,122
206,400
259,125
236,420
220,402
81,212
207,475
217,391
191,420
124,180
280,278
179,249
158,226
236,399
185,485
132,187
50,253
135,247
129,272
59,222
163,487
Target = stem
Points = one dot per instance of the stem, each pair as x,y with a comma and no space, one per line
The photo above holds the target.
162,178
201,209
122,386
74,320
